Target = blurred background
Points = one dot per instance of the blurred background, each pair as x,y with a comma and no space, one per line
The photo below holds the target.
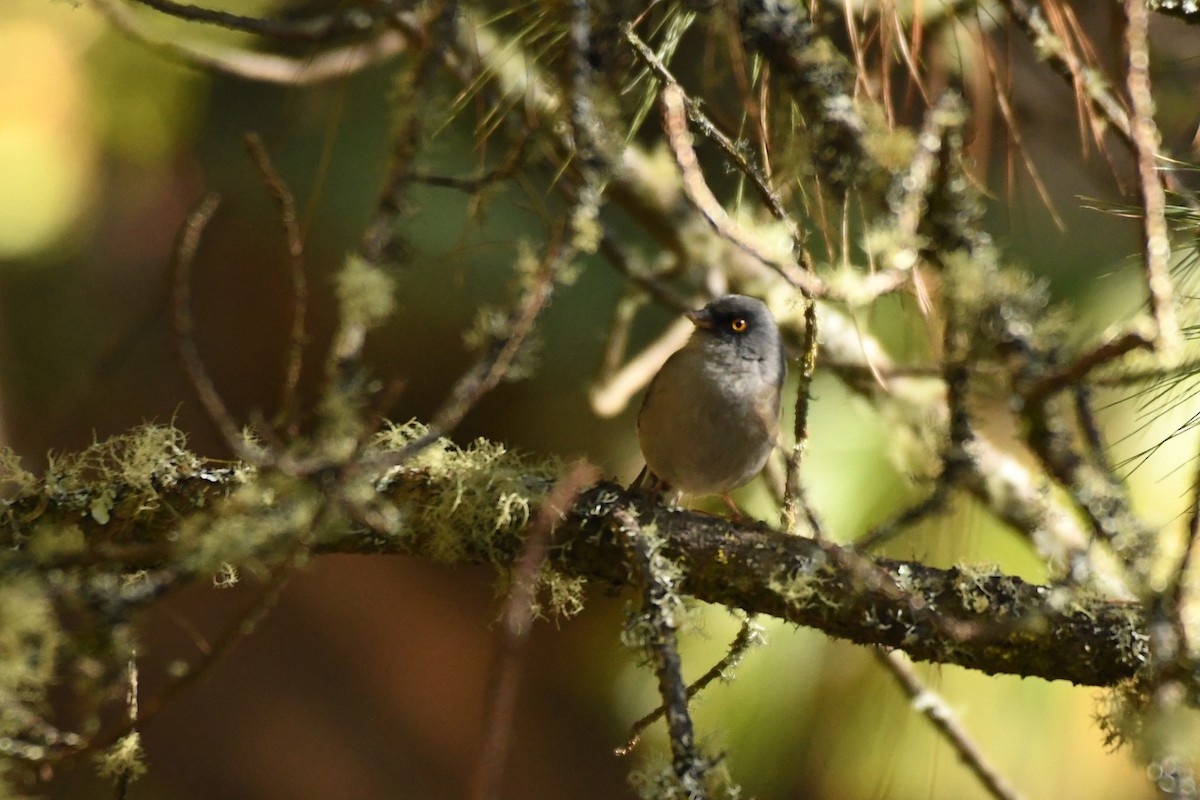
369,678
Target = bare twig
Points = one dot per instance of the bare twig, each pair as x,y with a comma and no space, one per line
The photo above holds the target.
490,369
508,166
1156,239
697,191
219,649
321,27
185,254
747,636
935,709
611,395
312,69
675,124
295,246
379,235
515,624
956,457
758,178
1076,371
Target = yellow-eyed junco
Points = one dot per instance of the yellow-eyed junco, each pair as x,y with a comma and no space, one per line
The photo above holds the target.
710,417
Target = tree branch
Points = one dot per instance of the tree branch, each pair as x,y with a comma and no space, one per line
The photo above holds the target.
986,621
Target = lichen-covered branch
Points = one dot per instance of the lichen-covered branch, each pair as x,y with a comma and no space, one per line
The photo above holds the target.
473,505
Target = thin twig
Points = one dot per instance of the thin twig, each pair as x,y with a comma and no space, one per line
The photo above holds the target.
1156,239
295,245
735,154
473,184
658,598
309,70
747,636
379,234
1076,371
667,297
793,495
956,458
491,368
220,648
675,124
185,254
1176,594
935,709
322,27
697,191
515,624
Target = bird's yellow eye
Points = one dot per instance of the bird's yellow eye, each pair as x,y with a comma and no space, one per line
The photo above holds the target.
738,325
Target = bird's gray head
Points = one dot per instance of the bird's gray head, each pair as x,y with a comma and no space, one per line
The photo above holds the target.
740,325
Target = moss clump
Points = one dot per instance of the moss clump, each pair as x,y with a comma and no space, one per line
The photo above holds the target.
258,520
143,463
655,779
478,493
51,541
365,293
30,638
124,761
18,480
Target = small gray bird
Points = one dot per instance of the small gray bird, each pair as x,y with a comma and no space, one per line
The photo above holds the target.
711,415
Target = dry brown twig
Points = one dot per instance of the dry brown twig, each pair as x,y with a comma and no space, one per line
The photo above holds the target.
295,248
1156,239
747,636
185,254
315,68
516,620
934,708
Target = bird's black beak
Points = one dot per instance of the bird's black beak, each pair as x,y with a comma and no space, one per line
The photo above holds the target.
701,318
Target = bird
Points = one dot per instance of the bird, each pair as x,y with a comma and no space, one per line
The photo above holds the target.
710,416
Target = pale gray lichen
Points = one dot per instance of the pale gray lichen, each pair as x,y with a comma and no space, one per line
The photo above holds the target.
655,779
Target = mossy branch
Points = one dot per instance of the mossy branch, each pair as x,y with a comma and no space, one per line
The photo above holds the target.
473,505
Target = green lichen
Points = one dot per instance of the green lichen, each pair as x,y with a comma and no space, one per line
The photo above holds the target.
50,542
470,496
143,463
257,521
365,293
655,779
801,588
12,475
30,638
124,761
563,593
891,148
972,584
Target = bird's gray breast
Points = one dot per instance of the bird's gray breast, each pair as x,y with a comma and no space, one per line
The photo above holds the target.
709,419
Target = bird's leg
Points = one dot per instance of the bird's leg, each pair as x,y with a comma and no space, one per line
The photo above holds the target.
738,516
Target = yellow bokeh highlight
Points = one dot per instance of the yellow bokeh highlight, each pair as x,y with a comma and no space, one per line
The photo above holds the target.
46,156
